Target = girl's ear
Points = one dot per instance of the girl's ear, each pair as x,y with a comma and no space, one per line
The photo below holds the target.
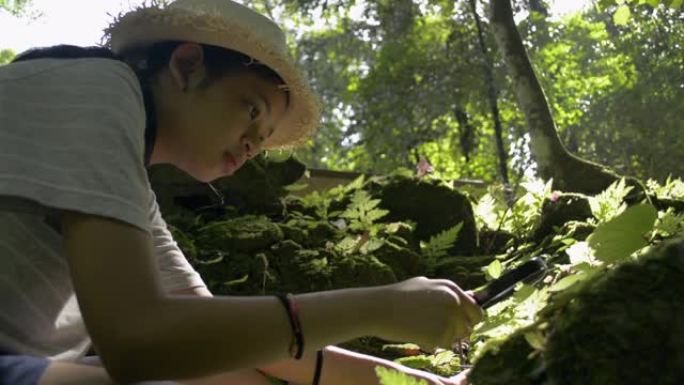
187,66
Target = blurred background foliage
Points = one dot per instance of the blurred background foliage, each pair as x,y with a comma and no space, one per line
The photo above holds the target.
404,79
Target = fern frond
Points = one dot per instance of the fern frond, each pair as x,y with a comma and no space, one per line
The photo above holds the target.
439,244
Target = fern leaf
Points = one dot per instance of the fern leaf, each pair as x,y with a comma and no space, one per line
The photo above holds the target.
438,244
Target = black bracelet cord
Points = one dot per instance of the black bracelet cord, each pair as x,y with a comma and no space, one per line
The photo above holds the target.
297,345
319,366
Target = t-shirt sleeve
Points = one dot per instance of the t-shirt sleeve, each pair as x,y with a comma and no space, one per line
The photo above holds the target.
174,269
72,137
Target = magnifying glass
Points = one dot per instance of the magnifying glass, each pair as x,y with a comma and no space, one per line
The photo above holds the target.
502,287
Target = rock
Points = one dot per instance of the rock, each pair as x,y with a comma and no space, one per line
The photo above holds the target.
256,188
555,213
259,185
494,241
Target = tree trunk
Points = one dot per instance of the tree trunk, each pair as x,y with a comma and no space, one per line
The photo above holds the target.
492,96
569,172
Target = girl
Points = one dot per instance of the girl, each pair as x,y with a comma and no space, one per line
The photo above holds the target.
85,256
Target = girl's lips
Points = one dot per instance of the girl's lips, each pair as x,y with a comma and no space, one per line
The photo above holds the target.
229,164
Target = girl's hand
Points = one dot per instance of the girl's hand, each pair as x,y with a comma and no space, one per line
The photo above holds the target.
429,312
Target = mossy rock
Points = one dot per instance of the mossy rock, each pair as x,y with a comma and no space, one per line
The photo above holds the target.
555,213
624,326
304,270
258,188
243,234
361,271
510,364
314,235
259,185
236,273
431,205
405,263
630,323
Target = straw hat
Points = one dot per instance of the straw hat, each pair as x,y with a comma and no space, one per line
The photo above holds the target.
227,24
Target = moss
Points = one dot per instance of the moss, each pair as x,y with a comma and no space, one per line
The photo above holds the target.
358,271
624,326
405,263
243,234
511,364
236,274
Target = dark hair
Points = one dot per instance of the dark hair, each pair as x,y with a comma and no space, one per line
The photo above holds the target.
148,62
218,61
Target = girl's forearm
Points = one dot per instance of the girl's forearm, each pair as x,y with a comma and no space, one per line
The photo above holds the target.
340,367
225,333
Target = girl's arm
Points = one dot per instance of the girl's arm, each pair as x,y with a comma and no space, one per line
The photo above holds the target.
340,366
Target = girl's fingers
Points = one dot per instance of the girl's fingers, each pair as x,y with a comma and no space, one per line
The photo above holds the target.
471,309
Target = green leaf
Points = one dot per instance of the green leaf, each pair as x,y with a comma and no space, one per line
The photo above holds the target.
610,202
523,292
580,252
622,15
415,362
566,282
624,234
237,281
442,358
535,339
494,269
296,187
676,4
395,377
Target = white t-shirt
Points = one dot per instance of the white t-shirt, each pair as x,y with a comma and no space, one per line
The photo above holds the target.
71,138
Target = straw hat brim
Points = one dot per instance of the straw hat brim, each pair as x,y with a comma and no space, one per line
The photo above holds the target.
149,24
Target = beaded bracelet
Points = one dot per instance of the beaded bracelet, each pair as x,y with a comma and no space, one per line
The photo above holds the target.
297,344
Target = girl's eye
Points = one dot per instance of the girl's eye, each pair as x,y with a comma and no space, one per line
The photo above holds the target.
253,112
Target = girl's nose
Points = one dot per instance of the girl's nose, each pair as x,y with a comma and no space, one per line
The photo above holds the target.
248,148
251,146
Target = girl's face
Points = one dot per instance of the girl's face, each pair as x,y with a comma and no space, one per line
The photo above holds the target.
209,131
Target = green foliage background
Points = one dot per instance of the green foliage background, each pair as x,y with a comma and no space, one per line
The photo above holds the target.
404,79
